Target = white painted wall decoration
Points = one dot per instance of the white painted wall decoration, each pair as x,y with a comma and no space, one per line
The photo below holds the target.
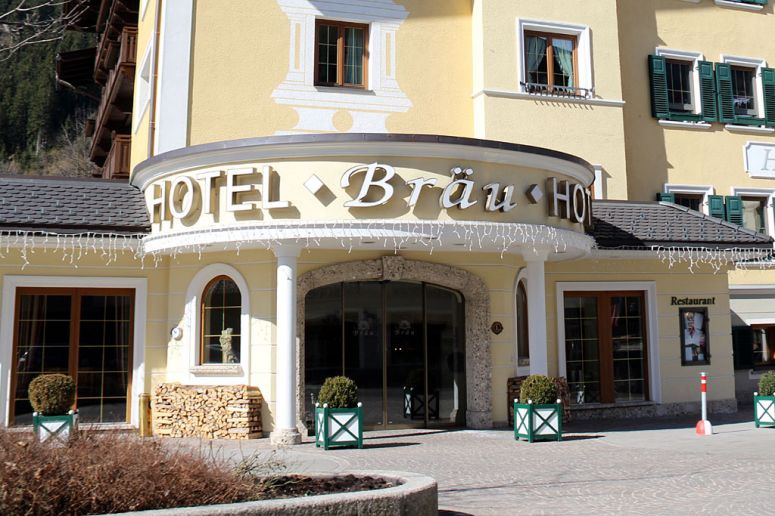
317,105
759,159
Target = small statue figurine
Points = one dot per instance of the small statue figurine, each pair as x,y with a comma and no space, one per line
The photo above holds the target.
226,350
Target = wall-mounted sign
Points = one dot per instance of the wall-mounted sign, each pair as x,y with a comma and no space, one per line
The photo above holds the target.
695,345
250,189
759,159
683,301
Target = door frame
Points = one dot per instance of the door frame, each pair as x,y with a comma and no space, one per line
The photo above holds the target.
8,310
649,289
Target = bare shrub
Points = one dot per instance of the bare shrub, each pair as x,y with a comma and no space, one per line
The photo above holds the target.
110,473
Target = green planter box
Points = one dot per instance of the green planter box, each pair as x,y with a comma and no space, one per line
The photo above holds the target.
57,428
763,410
336,427
537,422
414,403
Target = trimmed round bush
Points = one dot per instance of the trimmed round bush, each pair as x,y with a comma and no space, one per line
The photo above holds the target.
767,384
52,394
339,392
539,389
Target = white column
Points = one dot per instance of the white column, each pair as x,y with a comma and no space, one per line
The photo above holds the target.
536,311
285,431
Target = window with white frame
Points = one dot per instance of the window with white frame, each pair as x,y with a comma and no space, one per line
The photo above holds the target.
143,89
694,197
555,58
681,86
741,90
756,208
221,312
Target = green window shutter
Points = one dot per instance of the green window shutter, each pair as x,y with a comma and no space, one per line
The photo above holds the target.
742,346
708,92
660,107
666,197
726,97
716,206
768,85
734,209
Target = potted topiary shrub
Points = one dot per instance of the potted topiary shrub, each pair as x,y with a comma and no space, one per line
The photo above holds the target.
538,411
764,401
338,414
414,396
52,397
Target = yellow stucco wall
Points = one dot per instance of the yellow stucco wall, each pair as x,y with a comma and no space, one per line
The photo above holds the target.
657,155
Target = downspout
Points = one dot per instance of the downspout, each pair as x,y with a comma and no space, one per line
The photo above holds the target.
154,78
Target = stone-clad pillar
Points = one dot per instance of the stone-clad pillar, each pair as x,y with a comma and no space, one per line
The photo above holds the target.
536,311
285,431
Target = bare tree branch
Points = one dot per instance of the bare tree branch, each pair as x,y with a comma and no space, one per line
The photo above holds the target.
34,22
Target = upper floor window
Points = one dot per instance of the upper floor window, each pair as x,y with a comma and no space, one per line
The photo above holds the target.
744,91
341,54
551,63
221,312
679,86
754,213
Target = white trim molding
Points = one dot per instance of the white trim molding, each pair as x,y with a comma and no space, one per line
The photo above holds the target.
600,183
316,106
649,288
748,129
216,374
766,193
174,70
739,5
704,190
522,95
695,58
676,124
583,36
8,307
143,89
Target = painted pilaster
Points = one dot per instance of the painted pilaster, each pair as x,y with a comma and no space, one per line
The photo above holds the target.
285,371
536,311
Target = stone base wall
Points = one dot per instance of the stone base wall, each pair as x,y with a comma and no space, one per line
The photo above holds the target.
214,412
648,410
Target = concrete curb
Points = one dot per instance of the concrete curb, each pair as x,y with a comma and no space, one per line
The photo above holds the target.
416,495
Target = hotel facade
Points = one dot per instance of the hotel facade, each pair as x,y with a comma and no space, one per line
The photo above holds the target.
431,197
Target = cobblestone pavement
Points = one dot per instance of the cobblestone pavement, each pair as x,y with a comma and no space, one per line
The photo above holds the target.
654,467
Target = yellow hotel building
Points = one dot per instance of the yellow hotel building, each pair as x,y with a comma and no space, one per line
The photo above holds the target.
438,194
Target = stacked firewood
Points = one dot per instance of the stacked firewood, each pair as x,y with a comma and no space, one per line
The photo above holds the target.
215,412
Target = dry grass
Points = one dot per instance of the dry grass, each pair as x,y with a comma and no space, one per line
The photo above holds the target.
108,473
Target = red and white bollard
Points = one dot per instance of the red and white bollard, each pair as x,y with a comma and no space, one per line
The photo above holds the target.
703,426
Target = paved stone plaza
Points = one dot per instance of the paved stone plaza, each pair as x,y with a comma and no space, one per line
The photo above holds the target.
612,467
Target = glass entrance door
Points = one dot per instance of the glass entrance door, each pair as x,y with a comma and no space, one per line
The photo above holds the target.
401,342
605,347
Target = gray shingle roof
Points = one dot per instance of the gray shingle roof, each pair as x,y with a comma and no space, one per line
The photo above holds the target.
68,205
639,225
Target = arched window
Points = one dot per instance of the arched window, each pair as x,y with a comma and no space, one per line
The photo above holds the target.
523,339
221,329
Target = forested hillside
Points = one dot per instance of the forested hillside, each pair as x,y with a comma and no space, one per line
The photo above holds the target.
41,122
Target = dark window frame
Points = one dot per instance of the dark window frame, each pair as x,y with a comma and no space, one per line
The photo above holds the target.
342,26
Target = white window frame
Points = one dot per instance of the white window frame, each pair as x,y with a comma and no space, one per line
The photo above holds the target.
756,64
704,190
739,5
215,374
694,58
7,320
525,369
143,8
765,193
600,183
143,90
583,36
649,289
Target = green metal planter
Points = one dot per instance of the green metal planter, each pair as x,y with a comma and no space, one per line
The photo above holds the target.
763,410
537,422
56,428
335,427
414,403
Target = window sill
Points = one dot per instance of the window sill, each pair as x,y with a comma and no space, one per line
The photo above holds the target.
733,128
739,5
217,370
508,94
344,90
674,124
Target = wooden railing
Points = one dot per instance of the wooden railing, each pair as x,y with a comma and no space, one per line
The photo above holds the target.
118,161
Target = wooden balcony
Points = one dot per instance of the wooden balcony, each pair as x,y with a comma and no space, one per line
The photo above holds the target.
114,114
117,161
110,52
